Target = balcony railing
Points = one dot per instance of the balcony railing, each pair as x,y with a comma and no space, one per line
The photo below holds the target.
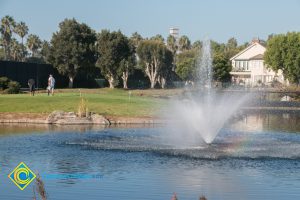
241,69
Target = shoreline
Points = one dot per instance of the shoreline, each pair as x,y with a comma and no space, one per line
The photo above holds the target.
42,118
69,118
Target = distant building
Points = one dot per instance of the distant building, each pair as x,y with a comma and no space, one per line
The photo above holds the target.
248,66
174,32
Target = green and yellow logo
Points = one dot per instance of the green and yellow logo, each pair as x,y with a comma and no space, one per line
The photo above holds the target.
22,176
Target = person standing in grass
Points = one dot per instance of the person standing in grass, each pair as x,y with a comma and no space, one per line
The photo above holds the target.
31,84
51,84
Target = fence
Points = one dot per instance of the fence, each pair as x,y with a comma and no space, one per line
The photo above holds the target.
21,72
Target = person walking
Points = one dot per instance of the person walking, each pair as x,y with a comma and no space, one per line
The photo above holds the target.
31,84
51,84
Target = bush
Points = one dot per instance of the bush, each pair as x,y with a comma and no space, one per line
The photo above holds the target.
8,86
4,83
13,87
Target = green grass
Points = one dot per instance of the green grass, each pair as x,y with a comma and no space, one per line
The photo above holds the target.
103,101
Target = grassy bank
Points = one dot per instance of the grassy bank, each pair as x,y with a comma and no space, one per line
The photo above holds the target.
115,102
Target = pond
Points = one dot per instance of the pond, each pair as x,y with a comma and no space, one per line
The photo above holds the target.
256,156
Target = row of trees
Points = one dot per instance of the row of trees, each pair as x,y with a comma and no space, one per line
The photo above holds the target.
76,47
12,48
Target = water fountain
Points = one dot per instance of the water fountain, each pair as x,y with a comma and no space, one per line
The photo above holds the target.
202,111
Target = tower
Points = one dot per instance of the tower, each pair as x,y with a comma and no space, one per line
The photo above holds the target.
174,32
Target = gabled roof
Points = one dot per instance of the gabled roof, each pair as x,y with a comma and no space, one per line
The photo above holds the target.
257,57
246,49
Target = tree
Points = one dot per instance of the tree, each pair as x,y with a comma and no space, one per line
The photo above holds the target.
173,47
197,45
231,48
116,56
72,48
217,48
166,69
231,43
283,54
186,62
172,44
2,55
16,50
136,38
22,30
184,43
221,54
34,44
154,57
221,68
158,37
45,51
186,67
6,29
127,64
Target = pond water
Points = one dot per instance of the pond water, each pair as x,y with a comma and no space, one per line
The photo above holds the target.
256,156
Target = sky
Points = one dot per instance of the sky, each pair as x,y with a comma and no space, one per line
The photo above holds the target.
215,19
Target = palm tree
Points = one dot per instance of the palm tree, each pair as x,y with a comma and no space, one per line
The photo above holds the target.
16,50
2,56
184,43
33,44
45,50
6,29
172,46
22,30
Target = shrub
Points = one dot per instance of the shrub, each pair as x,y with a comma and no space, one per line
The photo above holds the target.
13,87
4,83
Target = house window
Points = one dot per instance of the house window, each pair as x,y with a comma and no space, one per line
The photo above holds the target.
246,65
237,64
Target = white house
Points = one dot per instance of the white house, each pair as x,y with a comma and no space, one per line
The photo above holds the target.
248,67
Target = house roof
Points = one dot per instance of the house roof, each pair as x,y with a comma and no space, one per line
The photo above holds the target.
246,49
257,57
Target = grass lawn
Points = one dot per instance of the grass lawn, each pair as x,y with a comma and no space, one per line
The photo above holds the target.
105,101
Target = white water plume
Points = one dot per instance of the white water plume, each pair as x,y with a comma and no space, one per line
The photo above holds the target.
202,111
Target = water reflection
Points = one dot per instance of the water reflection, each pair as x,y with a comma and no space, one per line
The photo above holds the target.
22,128
285,122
